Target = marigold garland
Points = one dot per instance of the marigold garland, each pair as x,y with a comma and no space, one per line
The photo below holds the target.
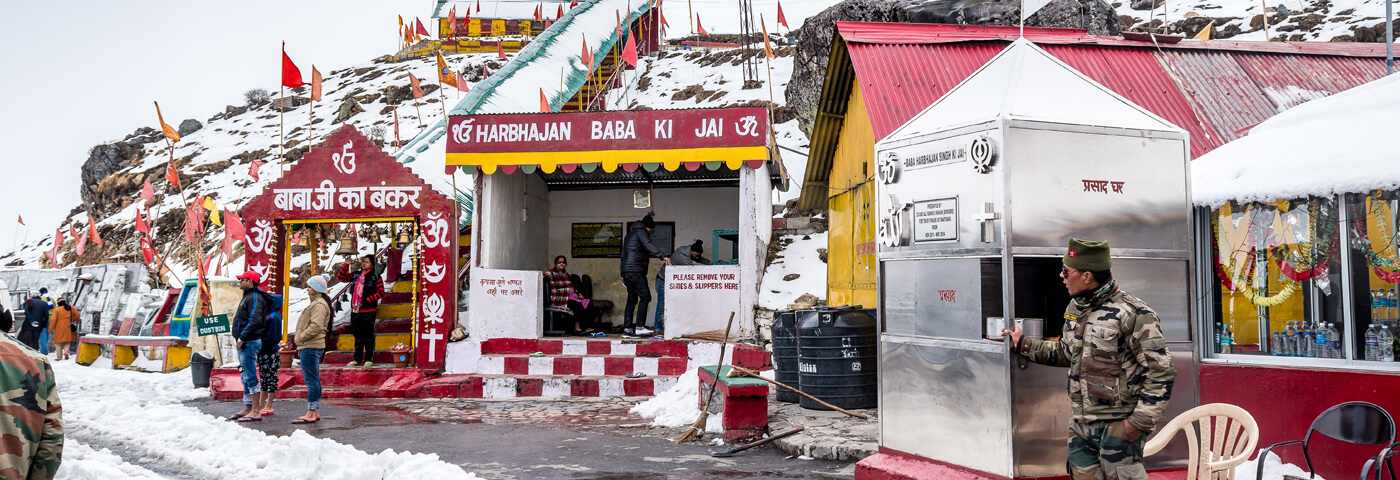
1272,300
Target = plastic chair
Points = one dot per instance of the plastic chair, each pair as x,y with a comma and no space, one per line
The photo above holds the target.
1357,423
1227,435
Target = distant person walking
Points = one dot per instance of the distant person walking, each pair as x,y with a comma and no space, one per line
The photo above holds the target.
32,423
311,343
693,254
63,328
249,325
637,250
44,334
366,288
36,320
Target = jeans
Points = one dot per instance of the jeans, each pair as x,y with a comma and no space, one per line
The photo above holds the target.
638,295
660,322
44,341
311,374
362,325
248,358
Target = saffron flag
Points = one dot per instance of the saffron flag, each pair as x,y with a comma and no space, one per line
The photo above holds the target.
544,103
82,245
147,193
213,211
587,55
401,20
291,75
700,27
452,20
315,84
146,251
1205,32
227,247
629,51
782,20
537,12
662,15
194,221
170,133
92,231
233,226
57,243
500,53
561,12
413,81
419,30
73,232
21,217
253,169
170,175
461,82
619,23
767,45
141,223
445,75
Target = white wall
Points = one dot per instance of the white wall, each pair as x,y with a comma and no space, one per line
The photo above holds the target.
700,298
506,304
755,230
513,228
697,213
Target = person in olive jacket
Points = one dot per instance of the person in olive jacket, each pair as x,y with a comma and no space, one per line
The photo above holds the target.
311,343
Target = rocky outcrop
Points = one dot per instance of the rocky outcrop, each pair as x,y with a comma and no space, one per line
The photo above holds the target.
189,126
101,188
814,38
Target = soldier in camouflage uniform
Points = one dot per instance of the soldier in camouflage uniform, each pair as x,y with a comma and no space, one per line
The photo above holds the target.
31,418
1120,374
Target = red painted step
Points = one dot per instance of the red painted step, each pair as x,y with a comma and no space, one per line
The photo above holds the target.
601,346
381,326
339,358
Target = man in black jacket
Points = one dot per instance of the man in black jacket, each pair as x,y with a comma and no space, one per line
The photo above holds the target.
637,250
36,319
249,325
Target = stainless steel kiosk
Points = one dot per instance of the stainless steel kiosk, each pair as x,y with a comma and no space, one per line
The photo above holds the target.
976,199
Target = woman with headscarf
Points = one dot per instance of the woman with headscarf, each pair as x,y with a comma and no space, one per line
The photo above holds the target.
63,328
311,342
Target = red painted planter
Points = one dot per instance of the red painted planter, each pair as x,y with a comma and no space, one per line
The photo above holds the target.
401,357
286,357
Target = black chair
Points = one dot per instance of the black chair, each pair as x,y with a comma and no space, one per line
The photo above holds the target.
1357,423
553,319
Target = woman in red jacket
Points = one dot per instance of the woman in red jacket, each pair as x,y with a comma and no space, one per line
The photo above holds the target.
366,288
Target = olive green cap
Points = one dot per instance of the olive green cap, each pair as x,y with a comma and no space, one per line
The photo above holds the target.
1088,255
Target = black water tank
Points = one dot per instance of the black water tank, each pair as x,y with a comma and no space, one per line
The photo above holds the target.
785,353
837,358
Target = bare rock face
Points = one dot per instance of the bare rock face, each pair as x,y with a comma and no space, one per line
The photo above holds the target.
101,190
814,38
190,126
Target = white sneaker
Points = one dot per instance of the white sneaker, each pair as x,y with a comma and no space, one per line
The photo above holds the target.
644,331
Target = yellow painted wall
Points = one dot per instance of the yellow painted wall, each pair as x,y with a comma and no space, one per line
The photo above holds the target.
851,242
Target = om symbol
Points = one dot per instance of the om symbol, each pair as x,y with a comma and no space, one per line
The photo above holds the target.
435,231
891,228
345,160
260,237
747,126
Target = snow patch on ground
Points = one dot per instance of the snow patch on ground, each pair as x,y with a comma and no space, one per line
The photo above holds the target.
144,412
676,408
801,258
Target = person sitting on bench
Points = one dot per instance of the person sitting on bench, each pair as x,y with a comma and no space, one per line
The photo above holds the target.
563,298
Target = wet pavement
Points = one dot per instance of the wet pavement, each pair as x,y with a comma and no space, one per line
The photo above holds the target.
584,439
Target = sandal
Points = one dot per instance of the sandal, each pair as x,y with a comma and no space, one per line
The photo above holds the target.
236,416
249,419
636,375
266,413
303,421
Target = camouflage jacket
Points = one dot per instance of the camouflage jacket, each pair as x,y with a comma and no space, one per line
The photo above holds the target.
1118,363
31,418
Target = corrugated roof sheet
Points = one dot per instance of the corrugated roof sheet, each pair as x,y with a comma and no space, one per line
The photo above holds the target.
1214,89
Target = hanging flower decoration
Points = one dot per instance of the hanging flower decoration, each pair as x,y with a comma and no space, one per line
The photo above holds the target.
1385,258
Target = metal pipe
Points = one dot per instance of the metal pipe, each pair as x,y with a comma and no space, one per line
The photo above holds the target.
1389,39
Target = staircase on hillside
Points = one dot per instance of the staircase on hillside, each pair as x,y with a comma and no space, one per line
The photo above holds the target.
592,96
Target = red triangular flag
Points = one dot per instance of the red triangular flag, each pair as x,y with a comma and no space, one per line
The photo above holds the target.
700,27
92,231
419,28
21,217
452,20
141,223
478,6
485,72
315,84
629,52
572,4
547,23
253,169
82,245
461,82
291,75
73,232
146,251
147,193
57,243
662,15
782,20
619,23
170,175
561,11
227,247
500,52
233,226
587,55
417,92
544,103
537,12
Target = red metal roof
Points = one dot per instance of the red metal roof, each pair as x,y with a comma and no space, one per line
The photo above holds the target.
1213,89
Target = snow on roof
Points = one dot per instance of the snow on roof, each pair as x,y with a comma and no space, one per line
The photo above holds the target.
553,62
1344,143
1026,82
508,9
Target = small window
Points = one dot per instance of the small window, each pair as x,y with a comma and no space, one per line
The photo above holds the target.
1375,271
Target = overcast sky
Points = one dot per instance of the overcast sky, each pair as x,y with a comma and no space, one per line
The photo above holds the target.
78,73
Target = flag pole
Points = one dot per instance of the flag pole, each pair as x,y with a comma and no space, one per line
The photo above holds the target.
281,125
690,9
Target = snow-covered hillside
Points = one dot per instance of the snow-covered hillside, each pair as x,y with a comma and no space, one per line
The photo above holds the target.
1291,20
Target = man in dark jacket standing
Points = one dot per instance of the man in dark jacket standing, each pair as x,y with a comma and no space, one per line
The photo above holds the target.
36,320
366,288
637,250
249,325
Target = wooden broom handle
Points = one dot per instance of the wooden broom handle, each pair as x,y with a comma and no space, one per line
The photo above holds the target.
741,371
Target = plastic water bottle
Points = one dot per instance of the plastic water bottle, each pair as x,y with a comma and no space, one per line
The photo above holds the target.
1384,340
1229,346
1320,341
1219,335
1334,341
1375,305
1305,340
1372,343
1290,337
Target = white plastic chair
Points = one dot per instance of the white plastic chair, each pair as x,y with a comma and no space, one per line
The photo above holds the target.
1227,436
